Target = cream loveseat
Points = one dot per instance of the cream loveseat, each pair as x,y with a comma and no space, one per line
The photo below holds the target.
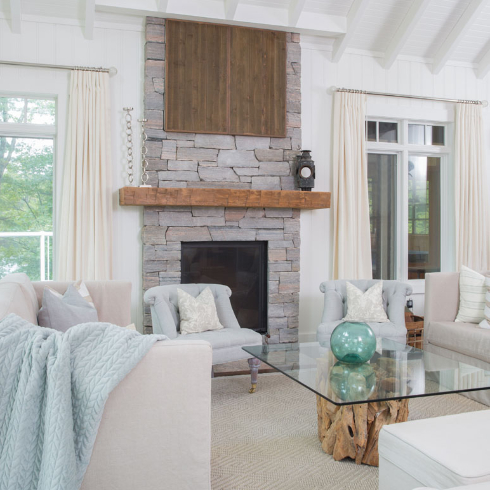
462,342
155,431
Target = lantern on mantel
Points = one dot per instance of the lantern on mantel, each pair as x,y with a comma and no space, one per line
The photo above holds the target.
305,171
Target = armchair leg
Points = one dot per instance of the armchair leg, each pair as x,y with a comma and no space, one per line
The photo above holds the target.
254,364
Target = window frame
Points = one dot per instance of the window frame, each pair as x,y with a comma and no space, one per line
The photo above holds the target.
37,131
402,150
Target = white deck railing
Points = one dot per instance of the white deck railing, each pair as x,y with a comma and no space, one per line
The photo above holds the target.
44,241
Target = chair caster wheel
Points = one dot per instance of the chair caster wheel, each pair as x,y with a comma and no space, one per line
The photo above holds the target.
254,387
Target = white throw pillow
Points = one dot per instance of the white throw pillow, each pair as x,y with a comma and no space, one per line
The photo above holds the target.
365,307
197,314
472,292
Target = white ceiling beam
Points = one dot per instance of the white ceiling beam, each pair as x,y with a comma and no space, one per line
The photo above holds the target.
353,18
230,9
15,16
89,18
484,65
295,9
404,31
162,5
465,22
248,15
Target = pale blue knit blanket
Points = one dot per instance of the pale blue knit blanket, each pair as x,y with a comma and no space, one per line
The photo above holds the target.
53,388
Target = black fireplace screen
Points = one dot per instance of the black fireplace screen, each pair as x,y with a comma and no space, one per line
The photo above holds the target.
240,265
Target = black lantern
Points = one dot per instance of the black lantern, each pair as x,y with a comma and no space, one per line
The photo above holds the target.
305,171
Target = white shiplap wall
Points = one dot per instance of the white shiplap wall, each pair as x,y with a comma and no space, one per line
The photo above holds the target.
362,72
63,43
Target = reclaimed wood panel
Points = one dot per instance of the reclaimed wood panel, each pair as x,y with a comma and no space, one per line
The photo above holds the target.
258,82
196,78
225,80
233,198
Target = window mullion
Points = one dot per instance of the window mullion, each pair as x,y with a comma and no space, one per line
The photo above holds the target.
402,229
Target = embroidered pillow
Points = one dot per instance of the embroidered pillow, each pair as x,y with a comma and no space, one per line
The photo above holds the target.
197,314
365,307
472,292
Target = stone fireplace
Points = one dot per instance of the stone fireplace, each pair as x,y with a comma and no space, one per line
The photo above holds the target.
223,161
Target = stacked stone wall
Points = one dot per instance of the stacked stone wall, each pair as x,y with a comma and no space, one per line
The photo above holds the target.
223,161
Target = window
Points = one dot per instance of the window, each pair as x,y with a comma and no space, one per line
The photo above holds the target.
424,134
382,131
27,131
382,211
406,190
424,215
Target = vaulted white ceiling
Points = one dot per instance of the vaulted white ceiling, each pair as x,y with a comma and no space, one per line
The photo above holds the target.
436,30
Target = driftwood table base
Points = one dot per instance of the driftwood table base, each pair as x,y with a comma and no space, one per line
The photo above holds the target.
352,431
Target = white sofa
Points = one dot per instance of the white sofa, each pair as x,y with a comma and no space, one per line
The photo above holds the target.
155,431
461,342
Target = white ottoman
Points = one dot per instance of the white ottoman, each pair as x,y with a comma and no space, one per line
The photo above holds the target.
443,452
478,486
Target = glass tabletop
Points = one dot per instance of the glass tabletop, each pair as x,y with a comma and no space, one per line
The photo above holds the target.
394,372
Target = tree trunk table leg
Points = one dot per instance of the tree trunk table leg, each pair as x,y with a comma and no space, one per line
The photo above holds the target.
352,431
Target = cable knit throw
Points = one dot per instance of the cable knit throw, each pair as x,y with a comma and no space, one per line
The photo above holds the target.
53,388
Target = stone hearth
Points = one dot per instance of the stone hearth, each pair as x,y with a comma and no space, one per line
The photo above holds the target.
223,161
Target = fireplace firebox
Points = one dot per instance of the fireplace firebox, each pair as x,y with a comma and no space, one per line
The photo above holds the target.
242,266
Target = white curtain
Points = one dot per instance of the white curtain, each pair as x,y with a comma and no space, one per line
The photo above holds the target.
350,200
85,224
471,196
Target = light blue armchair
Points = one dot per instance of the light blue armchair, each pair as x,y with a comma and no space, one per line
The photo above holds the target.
394,299
227,343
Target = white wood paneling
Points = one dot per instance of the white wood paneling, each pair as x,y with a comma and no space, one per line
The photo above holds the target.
362,72
457,34
65,44
379,23
402,34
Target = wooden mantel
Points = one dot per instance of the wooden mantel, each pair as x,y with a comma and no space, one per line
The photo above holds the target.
233,198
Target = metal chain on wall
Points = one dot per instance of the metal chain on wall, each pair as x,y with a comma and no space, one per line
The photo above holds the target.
129,142
144,151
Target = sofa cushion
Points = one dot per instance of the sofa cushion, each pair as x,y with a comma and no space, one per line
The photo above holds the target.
226,337
465,338
17,295
444,452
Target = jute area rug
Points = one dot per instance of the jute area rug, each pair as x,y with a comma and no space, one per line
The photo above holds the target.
268,440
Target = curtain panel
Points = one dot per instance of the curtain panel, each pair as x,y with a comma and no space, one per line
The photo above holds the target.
350,199
471,198
85,223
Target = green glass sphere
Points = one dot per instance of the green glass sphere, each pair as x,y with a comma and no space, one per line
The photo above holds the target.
352,382
353,342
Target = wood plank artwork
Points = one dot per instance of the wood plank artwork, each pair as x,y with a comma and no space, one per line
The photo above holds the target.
234,198
196,77
225,79
257,82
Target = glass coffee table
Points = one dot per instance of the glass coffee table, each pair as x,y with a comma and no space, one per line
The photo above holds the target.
354,401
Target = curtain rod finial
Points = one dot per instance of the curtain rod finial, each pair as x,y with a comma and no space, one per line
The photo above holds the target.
484,103
112,71
332,89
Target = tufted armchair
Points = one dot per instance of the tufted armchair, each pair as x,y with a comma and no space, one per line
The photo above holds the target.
227,343
394,299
